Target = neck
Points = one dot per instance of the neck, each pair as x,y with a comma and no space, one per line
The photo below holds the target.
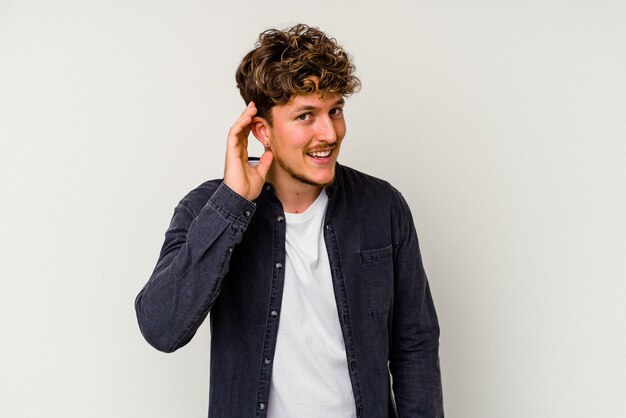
295,196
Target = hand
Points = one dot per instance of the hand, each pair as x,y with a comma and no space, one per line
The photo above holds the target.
241,177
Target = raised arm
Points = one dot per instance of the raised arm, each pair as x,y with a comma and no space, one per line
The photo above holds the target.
196,252
243,178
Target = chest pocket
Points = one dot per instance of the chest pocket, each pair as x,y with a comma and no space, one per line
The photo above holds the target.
377,277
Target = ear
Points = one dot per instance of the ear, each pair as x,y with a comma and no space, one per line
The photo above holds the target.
261,130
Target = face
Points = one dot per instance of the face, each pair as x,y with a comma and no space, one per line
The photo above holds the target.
305,137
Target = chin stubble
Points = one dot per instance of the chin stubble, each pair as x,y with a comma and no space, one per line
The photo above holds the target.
297,176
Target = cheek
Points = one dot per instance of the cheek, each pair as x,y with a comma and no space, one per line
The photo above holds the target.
290,143
340,129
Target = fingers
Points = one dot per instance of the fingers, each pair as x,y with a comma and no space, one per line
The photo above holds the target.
240,130
265,162
244,120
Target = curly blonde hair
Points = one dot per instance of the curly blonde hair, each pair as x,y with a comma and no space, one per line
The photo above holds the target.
282,62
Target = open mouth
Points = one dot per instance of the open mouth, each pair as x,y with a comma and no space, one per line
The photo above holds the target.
320,155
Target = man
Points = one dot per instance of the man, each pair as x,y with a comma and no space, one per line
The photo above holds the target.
319,303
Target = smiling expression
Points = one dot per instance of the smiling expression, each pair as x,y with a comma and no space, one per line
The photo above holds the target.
305,137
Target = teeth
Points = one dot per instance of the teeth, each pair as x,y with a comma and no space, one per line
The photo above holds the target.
320,154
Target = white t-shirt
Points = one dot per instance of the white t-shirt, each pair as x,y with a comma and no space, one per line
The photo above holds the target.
310,371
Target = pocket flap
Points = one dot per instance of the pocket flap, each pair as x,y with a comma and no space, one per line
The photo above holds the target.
371,256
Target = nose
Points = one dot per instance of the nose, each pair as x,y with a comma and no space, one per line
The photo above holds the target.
326,130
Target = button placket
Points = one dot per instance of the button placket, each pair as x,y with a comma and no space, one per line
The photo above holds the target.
272,319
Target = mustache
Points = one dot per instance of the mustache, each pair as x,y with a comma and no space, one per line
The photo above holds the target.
325,148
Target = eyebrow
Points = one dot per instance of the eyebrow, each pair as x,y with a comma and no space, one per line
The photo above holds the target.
339,102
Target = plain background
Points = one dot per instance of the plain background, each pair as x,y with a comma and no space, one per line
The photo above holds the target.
502,122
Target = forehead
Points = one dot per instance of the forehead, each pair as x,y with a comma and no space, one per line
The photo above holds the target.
311,101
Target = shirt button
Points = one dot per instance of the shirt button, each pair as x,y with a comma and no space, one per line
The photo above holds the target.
328,227
230,250
261,406
267,361
268,187
274,313
280,219
247,213
279,266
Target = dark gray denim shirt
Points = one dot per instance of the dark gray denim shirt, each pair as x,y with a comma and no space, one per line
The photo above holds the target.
225,255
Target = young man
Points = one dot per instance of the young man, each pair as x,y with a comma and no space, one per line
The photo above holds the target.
319,303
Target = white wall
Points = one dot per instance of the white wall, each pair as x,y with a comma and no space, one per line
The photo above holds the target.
502,122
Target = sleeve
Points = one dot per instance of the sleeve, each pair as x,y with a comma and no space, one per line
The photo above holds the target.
194,259
414,351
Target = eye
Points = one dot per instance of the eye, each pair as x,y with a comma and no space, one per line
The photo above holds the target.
305,117
336,112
